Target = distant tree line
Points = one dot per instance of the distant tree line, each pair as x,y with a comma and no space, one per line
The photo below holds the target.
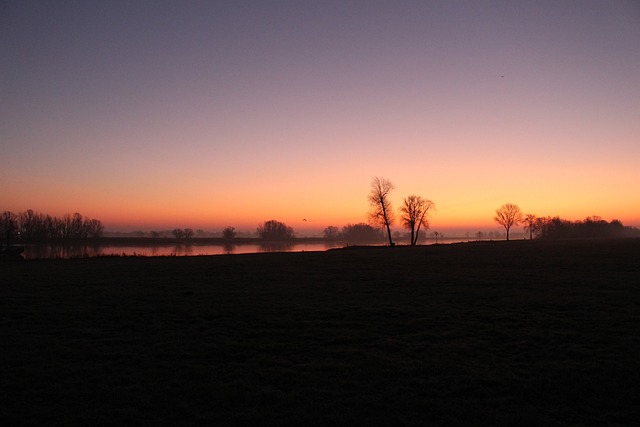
590,227
35,227
510,215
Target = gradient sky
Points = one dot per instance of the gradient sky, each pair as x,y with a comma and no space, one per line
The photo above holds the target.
202,114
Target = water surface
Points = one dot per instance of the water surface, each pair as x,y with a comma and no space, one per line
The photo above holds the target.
195,249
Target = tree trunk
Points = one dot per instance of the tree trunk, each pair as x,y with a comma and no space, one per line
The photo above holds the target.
389,233
386,223
415,242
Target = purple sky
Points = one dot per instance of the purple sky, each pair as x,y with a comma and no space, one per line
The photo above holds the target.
205,114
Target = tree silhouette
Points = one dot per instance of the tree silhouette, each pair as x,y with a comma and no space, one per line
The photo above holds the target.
381,213
531,224
229,233
507,216
33,227
414,215
591,227
361,233
8,226
273,230
94,228
331,232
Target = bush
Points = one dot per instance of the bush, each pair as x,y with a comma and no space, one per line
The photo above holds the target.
273,230
361,233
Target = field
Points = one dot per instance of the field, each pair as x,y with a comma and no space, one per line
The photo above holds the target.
487,333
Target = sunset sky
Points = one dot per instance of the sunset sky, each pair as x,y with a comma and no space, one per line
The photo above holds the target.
202,114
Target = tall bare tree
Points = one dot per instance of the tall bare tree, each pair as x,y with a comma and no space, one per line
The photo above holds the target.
507,216
381,213
414,215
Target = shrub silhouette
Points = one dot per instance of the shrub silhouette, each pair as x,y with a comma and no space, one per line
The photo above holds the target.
361,233
273,230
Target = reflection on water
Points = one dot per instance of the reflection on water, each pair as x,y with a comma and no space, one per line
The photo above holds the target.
61,251
94,250
86,251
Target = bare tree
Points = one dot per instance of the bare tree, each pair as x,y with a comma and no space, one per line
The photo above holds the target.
414,215
507,216
94,228
531,224
31,225
8,226
187,233
381,213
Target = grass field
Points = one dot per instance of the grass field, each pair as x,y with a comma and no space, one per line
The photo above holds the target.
488,333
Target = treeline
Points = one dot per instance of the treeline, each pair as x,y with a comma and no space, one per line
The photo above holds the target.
35,227
590,227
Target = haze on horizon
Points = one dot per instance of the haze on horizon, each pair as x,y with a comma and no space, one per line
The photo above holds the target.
159,114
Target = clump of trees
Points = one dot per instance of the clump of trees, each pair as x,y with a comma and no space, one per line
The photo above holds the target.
331,233
229,233
182,234
590,227
34,227
275,231
509,215
360,233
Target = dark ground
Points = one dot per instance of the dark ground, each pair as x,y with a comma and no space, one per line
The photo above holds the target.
490,333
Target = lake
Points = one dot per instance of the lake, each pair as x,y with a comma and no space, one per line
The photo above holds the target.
195,249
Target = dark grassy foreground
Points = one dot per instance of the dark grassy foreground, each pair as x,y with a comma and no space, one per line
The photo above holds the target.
505,333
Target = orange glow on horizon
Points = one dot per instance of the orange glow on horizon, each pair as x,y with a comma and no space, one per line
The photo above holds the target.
458,206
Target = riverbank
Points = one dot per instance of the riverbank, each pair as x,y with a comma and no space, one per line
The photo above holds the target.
486,333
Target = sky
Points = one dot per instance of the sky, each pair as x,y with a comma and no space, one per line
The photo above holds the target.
205,114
